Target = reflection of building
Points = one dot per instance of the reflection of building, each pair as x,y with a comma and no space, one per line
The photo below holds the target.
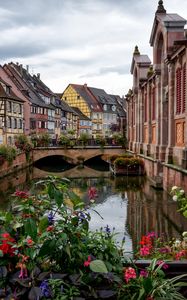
157,110
150,210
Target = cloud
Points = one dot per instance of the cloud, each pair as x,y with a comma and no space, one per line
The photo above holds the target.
78,40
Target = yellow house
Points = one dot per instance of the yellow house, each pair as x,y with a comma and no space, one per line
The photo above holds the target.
79,96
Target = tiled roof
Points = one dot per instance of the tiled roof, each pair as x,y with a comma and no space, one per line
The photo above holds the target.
4,94
80,114
102,96
84,92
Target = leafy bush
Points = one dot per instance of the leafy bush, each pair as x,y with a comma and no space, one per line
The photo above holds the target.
48,252
178,195
8,153
64,140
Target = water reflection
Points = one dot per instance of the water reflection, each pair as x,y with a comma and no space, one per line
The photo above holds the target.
128,204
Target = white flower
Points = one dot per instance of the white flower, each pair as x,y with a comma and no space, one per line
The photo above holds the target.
175,198
184,234
181,192
177,243
174,188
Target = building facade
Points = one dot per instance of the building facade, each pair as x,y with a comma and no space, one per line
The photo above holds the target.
157,114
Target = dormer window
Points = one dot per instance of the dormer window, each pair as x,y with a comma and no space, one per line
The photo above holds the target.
78,96
8,89
113,107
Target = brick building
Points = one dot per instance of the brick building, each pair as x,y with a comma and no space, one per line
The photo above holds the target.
157,113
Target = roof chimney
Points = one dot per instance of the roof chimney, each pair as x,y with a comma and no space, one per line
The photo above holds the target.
136,51
38,76
27,69
85,85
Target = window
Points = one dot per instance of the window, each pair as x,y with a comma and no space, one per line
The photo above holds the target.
78,96
20,109
20,124
153,105
184,88
9,122
14,107
15,123
33,124
145,107
178,91
9,106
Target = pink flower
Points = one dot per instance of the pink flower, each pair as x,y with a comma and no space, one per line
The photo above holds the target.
87,262
129,273
164,265
144,251
180,254
92,193
143,273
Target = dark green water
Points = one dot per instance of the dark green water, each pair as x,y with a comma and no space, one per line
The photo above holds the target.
130,205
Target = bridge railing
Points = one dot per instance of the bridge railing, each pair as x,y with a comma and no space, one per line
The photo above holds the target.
71,143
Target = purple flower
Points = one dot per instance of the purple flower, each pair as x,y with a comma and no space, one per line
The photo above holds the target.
107,229
143,273
164,250
51,218
44,286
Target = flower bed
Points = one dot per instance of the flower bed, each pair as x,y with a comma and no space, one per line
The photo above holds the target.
48,252
127,165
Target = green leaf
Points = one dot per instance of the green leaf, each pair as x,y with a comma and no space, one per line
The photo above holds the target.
1,253
47,248
30,228
98,266
185,213
147,284
75,199
50,190
58,196
68,250
43,224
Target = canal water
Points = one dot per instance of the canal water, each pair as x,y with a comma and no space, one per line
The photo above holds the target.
129,205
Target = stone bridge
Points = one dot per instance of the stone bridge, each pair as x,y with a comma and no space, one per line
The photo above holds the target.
75,155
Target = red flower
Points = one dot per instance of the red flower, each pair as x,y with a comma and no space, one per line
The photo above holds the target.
21,194
6,244
87,262
29,242
50,228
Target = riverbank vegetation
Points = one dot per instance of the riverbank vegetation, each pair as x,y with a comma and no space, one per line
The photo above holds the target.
48,252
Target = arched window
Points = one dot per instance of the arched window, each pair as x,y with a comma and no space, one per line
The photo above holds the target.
145,107
178,91
153,105
184,88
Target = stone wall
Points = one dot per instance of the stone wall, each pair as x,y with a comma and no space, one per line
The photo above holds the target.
19,163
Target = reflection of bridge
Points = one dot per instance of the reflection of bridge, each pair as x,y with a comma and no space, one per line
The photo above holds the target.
76,154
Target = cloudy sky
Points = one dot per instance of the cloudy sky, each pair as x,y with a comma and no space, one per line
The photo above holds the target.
79,41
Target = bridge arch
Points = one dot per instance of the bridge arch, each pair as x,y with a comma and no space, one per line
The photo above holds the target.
75,154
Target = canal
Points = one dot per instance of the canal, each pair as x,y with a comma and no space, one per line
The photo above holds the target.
128,204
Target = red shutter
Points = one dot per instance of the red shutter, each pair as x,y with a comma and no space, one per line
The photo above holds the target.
145,107
184,89
153,105
178,91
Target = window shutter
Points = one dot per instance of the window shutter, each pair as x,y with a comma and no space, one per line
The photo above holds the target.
184,89
178,91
